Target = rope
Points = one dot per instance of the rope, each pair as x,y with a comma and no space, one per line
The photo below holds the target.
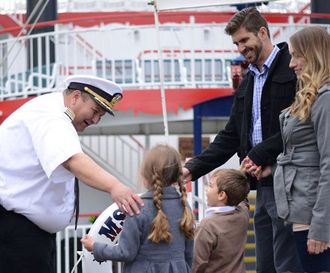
161,74
79,260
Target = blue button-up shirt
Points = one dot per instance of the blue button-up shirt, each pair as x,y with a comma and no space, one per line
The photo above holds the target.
259,81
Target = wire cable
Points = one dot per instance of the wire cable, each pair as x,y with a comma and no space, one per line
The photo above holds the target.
23,29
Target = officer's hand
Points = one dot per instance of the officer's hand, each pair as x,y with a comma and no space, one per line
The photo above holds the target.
127,201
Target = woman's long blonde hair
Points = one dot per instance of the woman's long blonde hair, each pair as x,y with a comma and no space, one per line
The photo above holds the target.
161,168
313,44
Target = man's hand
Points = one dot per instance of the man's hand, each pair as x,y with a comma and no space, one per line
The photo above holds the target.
316,247
186,174
88,242
248,166
127,201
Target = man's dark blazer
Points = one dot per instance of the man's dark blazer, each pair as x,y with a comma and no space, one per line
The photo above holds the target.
277,94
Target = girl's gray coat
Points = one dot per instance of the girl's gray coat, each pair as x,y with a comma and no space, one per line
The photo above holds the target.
140,254
302,176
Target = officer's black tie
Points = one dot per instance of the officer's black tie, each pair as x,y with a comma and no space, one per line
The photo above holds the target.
76,201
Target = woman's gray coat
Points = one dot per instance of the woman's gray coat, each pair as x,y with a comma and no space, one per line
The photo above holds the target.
140,254
302,176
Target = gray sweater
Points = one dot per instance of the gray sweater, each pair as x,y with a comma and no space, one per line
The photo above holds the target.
140,254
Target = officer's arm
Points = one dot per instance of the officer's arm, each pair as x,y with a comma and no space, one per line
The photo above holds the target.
89,172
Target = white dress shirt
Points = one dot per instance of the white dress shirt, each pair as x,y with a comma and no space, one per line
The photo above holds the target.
34,142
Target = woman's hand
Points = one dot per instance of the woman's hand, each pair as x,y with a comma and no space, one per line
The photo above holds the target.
248,166
316,247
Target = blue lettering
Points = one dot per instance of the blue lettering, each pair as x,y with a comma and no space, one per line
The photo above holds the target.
110,229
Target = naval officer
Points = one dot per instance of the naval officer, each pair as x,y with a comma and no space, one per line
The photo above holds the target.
41,160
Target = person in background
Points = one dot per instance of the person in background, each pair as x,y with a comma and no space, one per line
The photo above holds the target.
302,175
221,236
160,238
41,157
267,88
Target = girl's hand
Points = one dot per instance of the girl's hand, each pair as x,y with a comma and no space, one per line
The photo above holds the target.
88,242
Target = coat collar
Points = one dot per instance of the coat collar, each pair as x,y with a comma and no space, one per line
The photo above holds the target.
324,88
168,193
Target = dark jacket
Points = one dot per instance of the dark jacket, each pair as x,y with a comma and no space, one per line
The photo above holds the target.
278,93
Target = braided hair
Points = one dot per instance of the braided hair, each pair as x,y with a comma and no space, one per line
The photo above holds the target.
162,168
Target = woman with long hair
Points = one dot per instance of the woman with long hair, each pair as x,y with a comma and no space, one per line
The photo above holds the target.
302,175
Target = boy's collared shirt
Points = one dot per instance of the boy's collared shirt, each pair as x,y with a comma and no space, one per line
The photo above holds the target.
212,210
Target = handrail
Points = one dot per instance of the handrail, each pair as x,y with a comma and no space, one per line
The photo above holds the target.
117,155
186,64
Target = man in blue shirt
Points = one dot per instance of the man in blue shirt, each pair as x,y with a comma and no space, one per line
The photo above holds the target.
267,88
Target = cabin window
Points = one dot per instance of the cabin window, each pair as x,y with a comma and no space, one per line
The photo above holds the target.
187,65
176,71
208,70
147,71
218,70
119,71
128,71
198,70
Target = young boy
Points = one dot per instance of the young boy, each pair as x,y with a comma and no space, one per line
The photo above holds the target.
221,235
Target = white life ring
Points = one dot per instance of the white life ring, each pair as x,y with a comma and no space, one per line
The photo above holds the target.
105,229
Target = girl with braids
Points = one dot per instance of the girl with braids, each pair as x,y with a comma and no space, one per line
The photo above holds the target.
302,176
160,238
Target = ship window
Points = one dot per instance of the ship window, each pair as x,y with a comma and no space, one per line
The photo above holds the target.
104,69
218,70
227,69
208,70
119,71
198,70
156,71
128,71
147,71
167,71
176,71
108,69
187,65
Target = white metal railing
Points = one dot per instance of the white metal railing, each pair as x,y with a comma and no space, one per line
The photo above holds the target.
67,247
77,51
140,5
195,55
118,154
191,52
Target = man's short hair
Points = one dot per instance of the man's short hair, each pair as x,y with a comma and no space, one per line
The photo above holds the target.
248,18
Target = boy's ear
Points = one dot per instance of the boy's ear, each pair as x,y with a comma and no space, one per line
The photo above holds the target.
222,196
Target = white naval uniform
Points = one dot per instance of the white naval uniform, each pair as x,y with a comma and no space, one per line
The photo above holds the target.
34,142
